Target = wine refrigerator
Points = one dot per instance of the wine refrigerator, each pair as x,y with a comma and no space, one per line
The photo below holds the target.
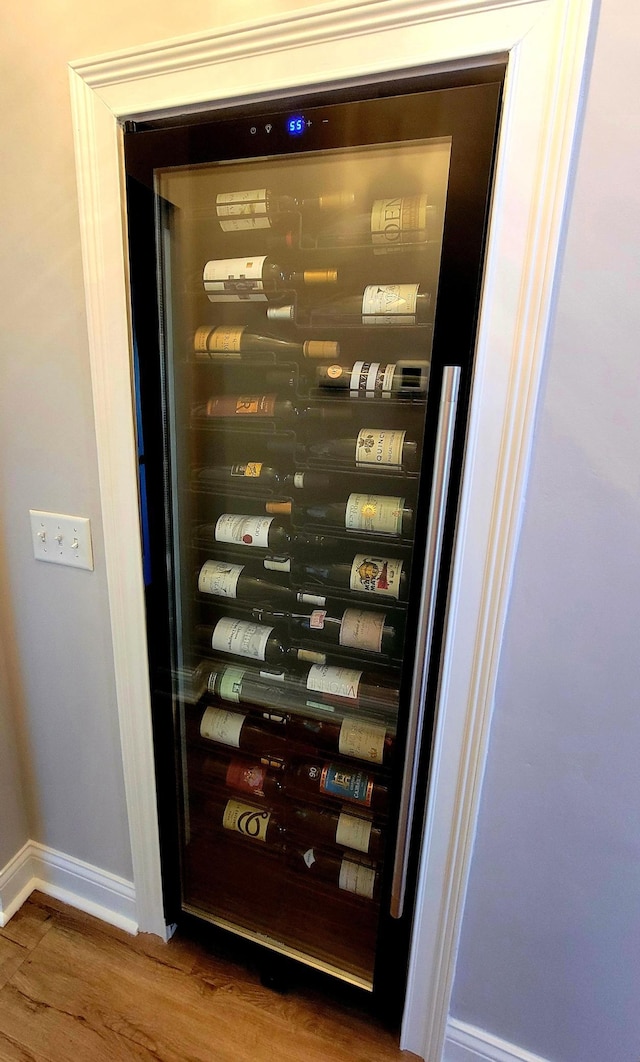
305,279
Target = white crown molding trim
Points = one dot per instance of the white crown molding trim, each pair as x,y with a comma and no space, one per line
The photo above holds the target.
467,1043
74,882
546,44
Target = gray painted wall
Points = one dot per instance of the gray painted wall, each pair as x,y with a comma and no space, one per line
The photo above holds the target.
549,955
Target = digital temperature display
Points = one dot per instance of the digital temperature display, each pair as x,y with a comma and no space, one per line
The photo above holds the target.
296,125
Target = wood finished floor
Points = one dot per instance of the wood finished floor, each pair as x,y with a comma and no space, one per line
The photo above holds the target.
73,989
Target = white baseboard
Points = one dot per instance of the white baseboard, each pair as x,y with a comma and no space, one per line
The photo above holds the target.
467,1043
85,887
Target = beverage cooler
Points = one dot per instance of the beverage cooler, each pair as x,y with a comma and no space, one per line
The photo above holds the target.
305,279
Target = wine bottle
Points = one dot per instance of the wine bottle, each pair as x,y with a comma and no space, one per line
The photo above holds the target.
252,407
260,735
240,582
226,342
367,573
252,640
346,873
390,225
381,448
242,477
381,305
326,826
353,736
371,379
258,279
339,781
257,778
355,628
376,514
253,822
244,531
286,691
261,208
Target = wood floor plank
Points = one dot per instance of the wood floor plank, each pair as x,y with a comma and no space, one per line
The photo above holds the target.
11,956
83,993
28,925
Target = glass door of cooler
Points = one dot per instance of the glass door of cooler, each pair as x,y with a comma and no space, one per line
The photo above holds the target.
301,361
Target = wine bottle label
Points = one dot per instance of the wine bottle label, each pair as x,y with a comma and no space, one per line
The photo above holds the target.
320,348
298,480
353,832
219,578
242,406
247,777
273,676
362,739
357,878
230,685
226,339
316,619
235,280
371,379
336,681
376,575
378,513
379,447
395,222
220,725
310,599
337,781
277,564
243,210
362,630
384,304
309,857
245,819
250,470
311,657
243,530
240,638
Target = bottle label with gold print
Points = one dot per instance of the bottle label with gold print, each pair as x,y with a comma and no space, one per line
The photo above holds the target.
378,513
376,575
362,630
362,739
337,781
246,819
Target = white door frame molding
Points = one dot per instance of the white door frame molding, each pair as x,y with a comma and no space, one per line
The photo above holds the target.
546,44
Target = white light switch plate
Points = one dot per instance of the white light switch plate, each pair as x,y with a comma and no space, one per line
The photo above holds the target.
61,539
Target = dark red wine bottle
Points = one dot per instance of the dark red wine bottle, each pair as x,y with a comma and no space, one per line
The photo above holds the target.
254,778
341,827
353,736
354,876
355,628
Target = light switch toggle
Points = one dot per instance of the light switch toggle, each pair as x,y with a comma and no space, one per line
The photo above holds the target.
61,539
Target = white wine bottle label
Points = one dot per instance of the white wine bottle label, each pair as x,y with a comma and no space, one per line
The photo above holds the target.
219,578
395,222
277,564
298,480
375,446
353,832
362,630
240,638
371,379
243,530
230,685
243,210
250,470
357,878
336,681
309,857
378,513
220,725
273,676
376,575
310,599
235,280
226,339
384,304
246,819
311,657
362,739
